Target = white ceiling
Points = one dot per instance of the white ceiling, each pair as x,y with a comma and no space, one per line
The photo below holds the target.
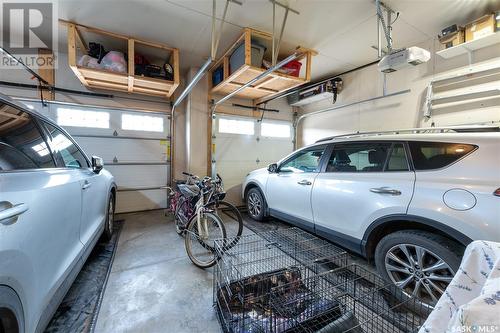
342,31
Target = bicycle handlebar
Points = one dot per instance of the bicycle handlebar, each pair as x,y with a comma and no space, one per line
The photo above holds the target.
187,174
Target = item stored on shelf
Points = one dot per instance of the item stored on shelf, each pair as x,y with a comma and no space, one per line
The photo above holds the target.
114,61
154,71
237,59
293,67
481,27
88,61
450,30
217,76
452,36
97,51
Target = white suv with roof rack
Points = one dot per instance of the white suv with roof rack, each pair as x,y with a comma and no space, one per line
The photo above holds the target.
411,200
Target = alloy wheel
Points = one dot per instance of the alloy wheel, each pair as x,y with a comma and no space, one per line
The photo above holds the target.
418,271
254,205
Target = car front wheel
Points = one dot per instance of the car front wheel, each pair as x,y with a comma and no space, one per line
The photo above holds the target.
419,262
256,204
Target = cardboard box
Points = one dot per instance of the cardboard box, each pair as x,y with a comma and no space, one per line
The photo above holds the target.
481,27
453,39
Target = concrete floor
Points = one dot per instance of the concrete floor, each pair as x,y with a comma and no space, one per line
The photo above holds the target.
154,287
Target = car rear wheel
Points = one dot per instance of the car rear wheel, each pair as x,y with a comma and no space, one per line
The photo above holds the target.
110,218
256,204
419,262
11,312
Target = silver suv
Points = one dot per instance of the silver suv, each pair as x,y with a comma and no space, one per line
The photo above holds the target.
409,200
55,203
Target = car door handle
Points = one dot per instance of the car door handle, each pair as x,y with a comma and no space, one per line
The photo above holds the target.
86,185
6,215
385,190
304,182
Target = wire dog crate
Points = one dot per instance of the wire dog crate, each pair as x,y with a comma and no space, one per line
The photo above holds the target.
252,265
353,300
291,281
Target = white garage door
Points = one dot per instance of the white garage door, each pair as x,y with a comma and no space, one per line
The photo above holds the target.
244,144
134,146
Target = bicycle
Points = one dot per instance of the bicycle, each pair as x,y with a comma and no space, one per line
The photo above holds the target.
203,227
183,207
201,216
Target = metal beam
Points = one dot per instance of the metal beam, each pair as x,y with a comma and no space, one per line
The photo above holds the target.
193,82
8,54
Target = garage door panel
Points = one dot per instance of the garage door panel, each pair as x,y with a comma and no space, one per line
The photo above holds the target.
235,148
274,150
132,201
238,154
144,147
137,176
126,150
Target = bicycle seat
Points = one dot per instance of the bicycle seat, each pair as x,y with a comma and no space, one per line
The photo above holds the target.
189,190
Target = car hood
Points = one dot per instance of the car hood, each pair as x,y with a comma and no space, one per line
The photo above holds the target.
258,171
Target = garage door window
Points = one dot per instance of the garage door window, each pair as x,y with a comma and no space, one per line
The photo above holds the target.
82,118
236,126
65,150
135,122
21,144
275,130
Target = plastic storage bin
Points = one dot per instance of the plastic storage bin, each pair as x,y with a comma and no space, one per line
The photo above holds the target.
217,76
237,59
293,67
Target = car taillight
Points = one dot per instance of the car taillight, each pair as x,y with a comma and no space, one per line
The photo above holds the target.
497,192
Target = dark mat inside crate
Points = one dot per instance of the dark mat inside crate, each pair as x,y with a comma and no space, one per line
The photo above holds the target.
274,301
79,308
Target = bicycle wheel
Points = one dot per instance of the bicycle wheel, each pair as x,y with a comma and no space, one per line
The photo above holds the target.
182,215
232,219
200,245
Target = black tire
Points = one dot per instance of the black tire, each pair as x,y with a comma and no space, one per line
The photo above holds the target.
232,220
409,272
227,210
203,256
11,312
110,218
256,204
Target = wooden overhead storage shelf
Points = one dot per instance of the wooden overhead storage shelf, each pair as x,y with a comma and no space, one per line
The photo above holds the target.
274,83
122,81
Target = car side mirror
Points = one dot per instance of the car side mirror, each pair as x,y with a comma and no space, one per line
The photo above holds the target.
272,168
97,164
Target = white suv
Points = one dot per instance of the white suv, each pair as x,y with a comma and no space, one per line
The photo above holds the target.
55,203
410,200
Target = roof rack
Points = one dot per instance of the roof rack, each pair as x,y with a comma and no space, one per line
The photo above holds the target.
424,130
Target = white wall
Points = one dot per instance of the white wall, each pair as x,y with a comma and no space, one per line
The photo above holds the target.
403,111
